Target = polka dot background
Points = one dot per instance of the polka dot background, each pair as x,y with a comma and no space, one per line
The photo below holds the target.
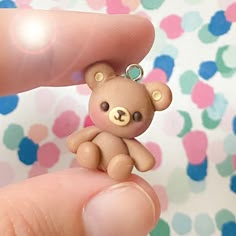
194,141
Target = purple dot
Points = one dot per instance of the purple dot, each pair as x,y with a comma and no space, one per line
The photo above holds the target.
77,77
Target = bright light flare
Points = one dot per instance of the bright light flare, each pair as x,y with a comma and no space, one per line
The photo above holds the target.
33,34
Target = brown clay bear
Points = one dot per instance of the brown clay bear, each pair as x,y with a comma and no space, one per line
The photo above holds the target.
121,109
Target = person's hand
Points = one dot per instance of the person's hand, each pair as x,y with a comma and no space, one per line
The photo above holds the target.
74,201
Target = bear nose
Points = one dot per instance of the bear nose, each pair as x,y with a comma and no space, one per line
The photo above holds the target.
119,116
120,112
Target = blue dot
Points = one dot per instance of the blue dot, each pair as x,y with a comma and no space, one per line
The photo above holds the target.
7,4
207,69
234,125
8,104
27,152
219,25
233,183
181,223
229,229
197,172
166,63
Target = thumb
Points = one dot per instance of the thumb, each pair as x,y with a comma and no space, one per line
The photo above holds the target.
78,202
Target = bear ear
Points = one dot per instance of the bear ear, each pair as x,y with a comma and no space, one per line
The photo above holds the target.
160,95
98,73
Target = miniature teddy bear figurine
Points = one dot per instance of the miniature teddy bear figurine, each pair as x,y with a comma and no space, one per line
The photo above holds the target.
121,109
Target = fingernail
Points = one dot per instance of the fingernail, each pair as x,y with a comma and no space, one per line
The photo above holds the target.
124,209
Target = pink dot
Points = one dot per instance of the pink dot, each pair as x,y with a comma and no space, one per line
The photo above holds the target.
48,155
6,174
155,149
116,7
83,89
88,121
66,124
224,4
202,95
162,196
226,122
231,13
195,144
38,133
216,152
156,75
172,26
36,170
234,162
173,123
67,102
96,5
44,100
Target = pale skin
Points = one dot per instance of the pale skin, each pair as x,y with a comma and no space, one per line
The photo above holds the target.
33,207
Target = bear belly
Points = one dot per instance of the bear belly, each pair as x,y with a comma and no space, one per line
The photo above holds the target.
109,146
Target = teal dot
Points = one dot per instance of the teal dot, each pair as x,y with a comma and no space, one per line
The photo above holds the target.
222,217
178,193
193,2
205,36
225,168
170,50
134,73
208,122
191,21
187,81
229,56
152,4
162,228
229,144
204,225
197,186
217,110
181,223
12,136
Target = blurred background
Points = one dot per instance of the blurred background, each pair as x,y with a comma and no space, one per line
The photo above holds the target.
193,141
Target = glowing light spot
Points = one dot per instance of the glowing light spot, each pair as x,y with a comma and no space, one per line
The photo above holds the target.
32,34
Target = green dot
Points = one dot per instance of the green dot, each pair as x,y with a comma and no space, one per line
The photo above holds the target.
223,69
205,36
208,122
152,4
225,168
12,136
178,193
187,123
187,81
224,216
162,228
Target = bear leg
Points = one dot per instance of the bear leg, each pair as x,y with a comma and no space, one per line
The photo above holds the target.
88,155
120,167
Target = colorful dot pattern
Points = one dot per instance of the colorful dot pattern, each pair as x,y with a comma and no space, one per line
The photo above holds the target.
194,141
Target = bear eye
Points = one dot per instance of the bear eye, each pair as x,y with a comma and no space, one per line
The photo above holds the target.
105,106
137,116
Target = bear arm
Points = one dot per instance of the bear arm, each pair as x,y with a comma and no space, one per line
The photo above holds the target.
79,137
143,159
